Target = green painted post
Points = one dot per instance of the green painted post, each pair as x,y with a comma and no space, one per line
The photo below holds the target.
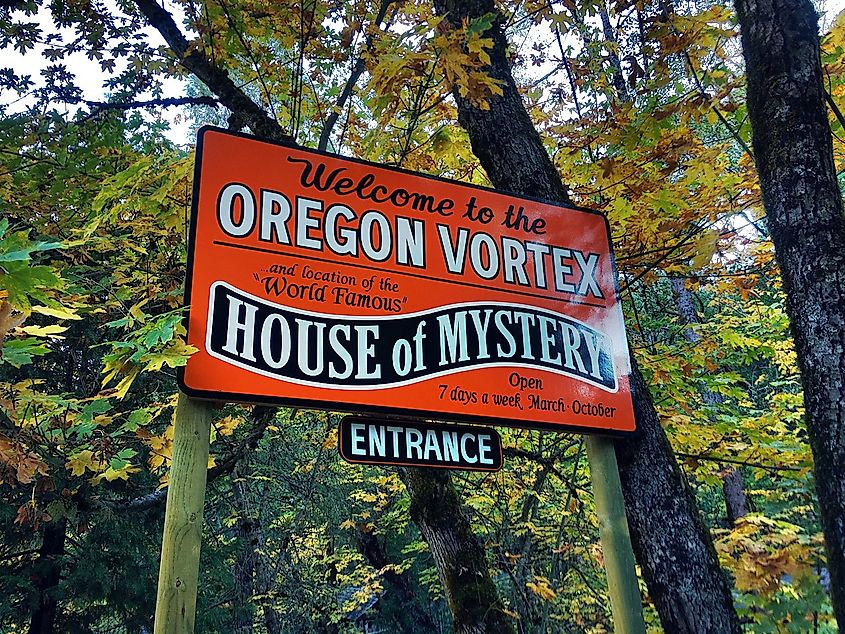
176,602
625,601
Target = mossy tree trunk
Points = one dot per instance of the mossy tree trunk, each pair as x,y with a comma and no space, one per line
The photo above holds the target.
458,554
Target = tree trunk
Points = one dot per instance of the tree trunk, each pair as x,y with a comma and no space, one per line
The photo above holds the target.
252,572
265,578
736,502
415,620
48,572
458,555
244,568
673,547
794,156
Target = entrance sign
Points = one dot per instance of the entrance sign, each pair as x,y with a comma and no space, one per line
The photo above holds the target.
320,281
393,442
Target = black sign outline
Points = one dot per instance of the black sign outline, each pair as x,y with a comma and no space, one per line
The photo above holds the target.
422,426
516,363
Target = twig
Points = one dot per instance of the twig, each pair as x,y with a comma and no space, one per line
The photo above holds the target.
744,463
357,71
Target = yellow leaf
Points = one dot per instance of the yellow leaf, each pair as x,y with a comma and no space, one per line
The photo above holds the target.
81,461
331,439
541,588
111,475
226,426
124,385
58,313
44,331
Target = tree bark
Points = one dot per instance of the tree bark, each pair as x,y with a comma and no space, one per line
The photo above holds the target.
794,157
48,571
736,501
672,545
458,555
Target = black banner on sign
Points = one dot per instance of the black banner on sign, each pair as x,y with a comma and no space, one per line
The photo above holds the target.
390,442
371,353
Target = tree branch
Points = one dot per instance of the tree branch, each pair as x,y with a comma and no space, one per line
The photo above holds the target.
357,71
261,416
719,115
217,79
163,103
834,108
744,463
546,463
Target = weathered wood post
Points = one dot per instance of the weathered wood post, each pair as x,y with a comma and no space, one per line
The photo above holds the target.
622,586
176,601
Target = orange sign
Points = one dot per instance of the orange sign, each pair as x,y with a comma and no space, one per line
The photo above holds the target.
327,282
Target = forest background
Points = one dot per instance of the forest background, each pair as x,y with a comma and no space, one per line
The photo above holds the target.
641,107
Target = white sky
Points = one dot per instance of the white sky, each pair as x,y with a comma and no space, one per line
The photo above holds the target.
89,74
90,77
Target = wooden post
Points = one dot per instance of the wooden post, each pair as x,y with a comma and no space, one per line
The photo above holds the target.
625,601
176,602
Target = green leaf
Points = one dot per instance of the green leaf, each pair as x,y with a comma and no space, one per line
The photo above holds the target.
117,463
481,24
84,430
25,283
24,254
19,352
126,454
97,406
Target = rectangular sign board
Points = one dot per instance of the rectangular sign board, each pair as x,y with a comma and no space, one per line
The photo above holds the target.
326,282
365,440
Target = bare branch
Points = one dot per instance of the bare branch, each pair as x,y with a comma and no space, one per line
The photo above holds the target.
165,102
834,108
744,463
